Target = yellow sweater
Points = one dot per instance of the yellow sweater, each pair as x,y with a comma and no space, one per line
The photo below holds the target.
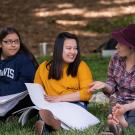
67,84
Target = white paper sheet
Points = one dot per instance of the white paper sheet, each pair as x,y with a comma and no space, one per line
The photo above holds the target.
71,114
8,102
5,99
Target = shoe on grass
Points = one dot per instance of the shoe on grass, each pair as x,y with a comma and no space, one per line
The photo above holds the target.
49,119
39,126
116,129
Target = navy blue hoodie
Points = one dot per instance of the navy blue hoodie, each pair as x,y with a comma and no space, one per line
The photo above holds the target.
14,72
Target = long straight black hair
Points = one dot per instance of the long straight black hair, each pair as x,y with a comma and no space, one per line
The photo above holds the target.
56,64
9,30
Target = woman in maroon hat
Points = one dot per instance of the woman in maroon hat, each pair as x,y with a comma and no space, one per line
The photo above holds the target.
120,85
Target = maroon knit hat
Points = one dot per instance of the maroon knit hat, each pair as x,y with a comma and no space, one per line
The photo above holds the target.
126,35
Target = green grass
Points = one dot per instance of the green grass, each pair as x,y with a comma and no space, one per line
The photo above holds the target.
99,69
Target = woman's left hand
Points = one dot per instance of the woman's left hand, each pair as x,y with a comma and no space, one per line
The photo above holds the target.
64,98
52,98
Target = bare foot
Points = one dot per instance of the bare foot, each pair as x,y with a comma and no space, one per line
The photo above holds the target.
122,121
118,109
49,119
114,125
112,120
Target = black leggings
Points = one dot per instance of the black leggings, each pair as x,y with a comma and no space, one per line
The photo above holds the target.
25,102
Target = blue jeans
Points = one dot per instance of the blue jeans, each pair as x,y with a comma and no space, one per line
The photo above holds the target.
130,117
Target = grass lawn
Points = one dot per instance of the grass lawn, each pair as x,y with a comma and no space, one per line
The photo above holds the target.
99,70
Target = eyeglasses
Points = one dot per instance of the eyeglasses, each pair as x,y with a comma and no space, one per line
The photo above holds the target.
10,42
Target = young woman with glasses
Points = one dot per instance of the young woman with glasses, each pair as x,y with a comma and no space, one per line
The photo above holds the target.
17,66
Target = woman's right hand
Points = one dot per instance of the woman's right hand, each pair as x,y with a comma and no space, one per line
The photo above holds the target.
96,86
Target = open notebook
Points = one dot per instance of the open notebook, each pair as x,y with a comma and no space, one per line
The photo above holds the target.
71,115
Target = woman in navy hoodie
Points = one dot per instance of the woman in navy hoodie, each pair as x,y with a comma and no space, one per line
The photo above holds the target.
17,67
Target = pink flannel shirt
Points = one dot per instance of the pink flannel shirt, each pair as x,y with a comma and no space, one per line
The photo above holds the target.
121,81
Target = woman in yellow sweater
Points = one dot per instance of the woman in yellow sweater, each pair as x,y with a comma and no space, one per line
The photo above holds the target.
64,78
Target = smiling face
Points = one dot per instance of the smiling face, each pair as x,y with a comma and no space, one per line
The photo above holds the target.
10,45
123,50
69,50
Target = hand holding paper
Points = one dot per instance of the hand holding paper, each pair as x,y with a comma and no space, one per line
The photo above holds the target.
70,114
